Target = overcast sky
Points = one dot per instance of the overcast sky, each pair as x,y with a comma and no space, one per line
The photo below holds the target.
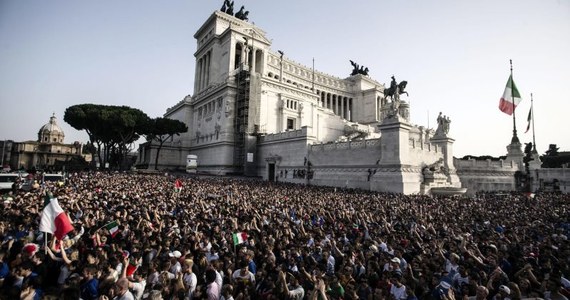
454,55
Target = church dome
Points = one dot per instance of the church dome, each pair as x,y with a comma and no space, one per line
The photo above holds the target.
51,132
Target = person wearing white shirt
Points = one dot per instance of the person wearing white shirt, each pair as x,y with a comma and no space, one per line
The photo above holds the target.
398,290
189,278
175,267
122,290
330,262
243,275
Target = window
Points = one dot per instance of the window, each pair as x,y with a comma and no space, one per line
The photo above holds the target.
290,124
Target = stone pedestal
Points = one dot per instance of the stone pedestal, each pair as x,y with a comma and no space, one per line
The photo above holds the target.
394,172
445,143
515,153
394,143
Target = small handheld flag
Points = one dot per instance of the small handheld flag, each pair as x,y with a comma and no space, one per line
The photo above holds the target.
178,186
113,228
239,237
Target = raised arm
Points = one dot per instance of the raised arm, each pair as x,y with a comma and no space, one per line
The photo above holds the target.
52,256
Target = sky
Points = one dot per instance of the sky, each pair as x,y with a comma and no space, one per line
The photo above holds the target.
140,53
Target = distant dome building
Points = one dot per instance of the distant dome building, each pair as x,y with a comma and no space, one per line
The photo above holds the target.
51,132
48,152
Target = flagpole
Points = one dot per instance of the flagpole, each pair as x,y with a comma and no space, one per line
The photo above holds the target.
313,87
532,115
515,138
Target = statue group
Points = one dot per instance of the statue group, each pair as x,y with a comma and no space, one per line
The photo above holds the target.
228,8
442,124
358,70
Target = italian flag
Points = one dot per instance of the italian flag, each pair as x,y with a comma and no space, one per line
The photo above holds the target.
54,220
178,186
529,118
239,237
113,228
510,96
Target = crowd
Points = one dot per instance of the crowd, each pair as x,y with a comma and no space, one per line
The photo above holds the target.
136,237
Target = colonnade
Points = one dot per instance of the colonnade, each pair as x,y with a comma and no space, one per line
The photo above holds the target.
340,105
203,71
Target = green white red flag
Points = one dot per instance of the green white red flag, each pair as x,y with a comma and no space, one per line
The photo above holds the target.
511,97
113,228
54,220
178,186
239,237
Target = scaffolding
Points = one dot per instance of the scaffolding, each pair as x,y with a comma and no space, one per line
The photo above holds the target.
241,120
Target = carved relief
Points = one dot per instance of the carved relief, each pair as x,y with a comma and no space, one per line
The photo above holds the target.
228,108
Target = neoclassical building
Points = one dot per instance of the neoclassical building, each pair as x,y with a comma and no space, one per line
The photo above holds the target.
256,112
47,152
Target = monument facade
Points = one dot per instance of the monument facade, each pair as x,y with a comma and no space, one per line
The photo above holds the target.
255,112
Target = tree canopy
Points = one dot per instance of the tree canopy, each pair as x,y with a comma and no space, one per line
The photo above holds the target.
162,129
113,128
553,159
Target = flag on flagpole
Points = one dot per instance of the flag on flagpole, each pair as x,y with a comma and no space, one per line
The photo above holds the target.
510,96
113,228
529,118
54,220
239,237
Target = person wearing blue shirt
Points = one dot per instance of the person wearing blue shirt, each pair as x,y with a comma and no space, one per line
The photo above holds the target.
251,266
90,288
4,269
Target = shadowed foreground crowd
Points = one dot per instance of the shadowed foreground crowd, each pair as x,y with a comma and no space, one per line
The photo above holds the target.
233,239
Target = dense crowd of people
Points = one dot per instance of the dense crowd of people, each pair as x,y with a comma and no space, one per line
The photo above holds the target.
137,237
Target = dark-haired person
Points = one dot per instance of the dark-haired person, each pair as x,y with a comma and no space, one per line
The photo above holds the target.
294,290
90,286
213,289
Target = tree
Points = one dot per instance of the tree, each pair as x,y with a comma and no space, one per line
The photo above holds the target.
126,126
114,128
87,117
552,150
162,129
553,159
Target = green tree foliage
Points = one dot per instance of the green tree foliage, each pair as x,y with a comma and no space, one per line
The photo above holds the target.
483,157
87,117
113,128
553,159
162,129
